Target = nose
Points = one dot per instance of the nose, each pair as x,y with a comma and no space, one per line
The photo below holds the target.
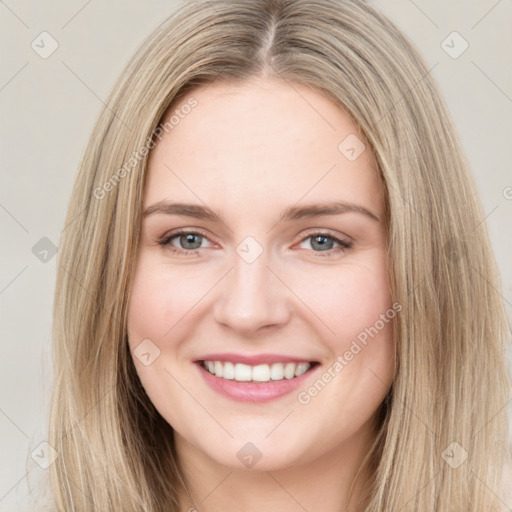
252,297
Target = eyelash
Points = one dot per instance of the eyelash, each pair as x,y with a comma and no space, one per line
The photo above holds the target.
165,241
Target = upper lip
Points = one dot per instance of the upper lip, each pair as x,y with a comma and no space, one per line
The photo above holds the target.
253,359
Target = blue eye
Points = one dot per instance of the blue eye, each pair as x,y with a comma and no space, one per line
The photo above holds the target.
325,241
187,239
191,241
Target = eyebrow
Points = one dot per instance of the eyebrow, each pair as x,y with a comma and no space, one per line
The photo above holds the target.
308,211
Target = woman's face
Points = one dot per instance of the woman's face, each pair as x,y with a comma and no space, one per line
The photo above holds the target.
274,277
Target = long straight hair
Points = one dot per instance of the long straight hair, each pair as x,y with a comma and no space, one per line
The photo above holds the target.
446,403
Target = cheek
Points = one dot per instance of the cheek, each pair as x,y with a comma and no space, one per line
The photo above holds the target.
351,300
362,313
356,305
155,307
159,299
144,312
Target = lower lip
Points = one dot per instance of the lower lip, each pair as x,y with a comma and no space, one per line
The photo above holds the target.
251,391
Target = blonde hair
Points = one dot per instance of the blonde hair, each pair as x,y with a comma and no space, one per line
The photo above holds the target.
115,452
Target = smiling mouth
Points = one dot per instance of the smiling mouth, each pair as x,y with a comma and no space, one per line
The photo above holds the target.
257,373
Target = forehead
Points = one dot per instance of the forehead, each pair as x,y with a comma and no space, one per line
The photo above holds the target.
265,142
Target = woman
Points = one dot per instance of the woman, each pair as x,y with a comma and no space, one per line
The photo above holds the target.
333,337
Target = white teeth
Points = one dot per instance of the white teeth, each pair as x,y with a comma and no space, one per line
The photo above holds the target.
259,373
301,368
242,372
228,372
289,370
277,371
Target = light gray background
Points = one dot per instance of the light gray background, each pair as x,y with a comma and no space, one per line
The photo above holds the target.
48,107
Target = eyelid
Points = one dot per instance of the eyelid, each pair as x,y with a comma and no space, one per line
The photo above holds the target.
326,231
303,234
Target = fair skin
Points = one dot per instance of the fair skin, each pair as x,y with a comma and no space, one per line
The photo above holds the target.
248,152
